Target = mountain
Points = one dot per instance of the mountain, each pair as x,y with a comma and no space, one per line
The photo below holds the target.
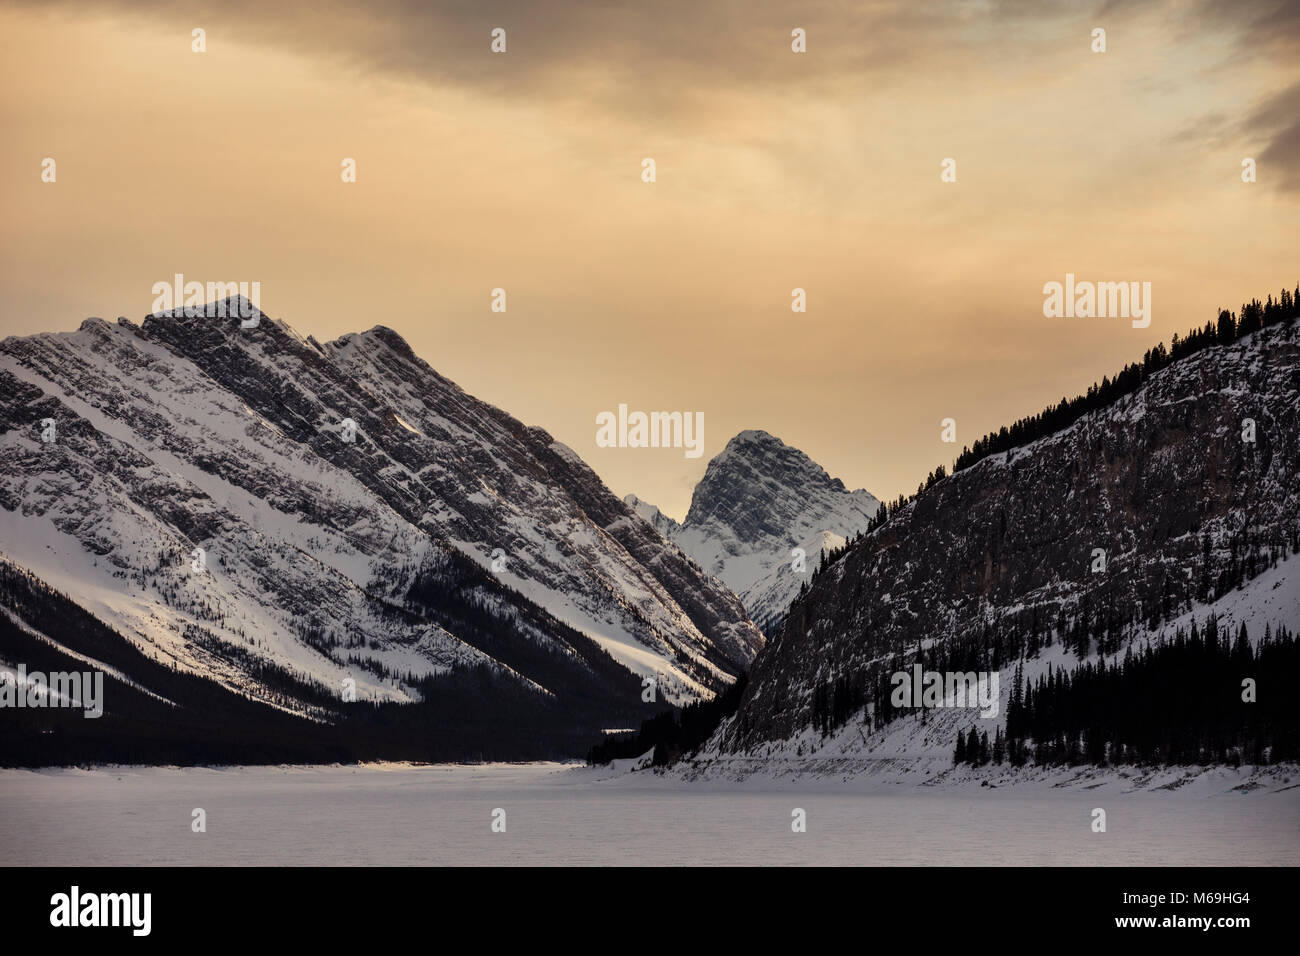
1151,530
243,502
661,522
760,505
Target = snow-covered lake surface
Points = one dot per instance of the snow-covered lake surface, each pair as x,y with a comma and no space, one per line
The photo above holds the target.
432,815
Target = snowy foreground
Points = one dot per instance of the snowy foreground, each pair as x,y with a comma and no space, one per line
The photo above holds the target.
555,814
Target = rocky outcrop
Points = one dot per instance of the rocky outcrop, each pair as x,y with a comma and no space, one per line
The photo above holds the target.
1129,516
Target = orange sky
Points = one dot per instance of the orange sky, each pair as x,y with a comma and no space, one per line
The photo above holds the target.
775,170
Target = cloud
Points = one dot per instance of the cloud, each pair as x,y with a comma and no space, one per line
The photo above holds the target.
1254,34
1274,122
647,59
1265,27
1279,119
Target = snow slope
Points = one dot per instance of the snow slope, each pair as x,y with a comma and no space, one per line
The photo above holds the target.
213,488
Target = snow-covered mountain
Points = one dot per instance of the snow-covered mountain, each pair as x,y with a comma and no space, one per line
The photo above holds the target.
666,526
921,751
761,517
232,499
1177,503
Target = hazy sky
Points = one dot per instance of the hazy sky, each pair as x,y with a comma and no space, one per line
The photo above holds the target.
775,170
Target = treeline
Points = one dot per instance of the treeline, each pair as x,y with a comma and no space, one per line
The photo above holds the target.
216,725
1100,621
1224,330
175,717
834,702
1177,700
672,733
1198,698
837,700
451,591
974,748
1229,327
869,688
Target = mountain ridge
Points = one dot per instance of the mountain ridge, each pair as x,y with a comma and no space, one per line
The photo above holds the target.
1085,540
324,483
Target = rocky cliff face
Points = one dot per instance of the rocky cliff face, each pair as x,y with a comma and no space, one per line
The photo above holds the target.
760,517
225,495
1134,514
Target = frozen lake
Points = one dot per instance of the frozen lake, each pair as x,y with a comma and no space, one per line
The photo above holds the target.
392,814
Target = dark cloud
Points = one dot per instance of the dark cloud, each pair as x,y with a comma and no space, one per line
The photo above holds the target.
626,54
1278,119
1266,27
1275,122
1254,30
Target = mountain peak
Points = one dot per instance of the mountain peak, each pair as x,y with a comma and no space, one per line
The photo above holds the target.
754,435
231,307
759,499
234,320
754,444
753,441
390,338
758,477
